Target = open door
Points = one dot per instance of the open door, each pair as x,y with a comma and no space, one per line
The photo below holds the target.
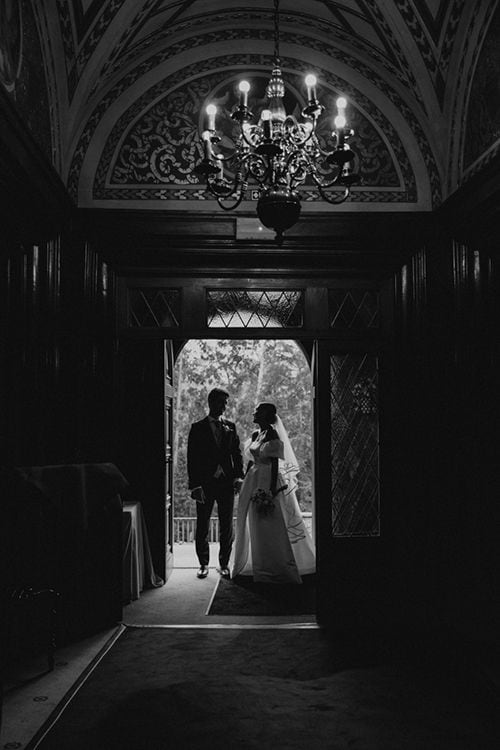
145,438
353,548
168,399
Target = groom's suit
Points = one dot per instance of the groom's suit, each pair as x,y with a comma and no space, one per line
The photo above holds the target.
214,462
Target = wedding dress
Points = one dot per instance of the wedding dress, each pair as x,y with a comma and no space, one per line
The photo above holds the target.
276,547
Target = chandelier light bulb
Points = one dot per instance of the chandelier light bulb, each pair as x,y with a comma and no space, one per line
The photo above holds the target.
244,88
341,103
340,122
211,112
310,82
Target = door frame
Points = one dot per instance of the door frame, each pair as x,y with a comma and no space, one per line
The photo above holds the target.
317,338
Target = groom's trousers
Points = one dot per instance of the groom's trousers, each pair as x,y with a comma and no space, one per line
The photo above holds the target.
221,491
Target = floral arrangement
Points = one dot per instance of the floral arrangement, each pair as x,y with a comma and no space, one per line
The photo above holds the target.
264,503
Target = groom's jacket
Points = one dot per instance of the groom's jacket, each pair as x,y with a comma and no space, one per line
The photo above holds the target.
204,455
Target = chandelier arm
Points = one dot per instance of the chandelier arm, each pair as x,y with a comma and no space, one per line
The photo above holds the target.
251,163
219,188
245,137
233,205
307,138
296,153
334,200
295,181
300,174
326,185
324,152
219,156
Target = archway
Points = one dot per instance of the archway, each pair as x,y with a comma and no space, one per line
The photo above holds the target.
251,371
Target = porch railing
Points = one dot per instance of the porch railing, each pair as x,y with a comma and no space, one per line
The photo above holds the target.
185,526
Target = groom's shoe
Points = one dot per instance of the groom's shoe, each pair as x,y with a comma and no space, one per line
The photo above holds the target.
224,572
202,571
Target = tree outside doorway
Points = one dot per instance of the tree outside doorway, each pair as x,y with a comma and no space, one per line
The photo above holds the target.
251,371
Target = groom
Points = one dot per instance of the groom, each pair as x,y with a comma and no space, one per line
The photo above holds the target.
215,470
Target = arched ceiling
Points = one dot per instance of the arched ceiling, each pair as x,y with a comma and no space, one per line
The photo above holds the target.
130,79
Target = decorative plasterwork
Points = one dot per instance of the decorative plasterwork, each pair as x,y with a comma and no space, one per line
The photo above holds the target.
481,132
434,35
408,65
477,29
152,147
234,62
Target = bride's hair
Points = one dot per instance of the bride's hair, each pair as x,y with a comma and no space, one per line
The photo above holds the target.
270,411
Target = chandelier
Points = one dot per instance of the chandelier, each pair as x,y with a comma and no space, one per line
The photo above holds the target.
277,153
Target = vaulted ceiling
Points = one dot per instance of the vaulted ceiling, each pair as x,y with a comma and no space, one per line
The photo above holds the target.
128,81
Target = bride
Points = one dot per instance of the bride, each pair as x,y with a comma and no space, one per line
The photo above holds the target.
272,542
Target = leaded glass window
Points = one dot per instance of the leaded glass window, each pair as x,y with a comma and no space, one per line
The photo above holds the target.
354,308
354,444
256,308
154,308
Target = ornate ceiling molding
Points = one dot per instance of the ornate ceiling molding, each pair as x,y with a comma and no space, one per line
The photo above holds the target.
408,67
163,61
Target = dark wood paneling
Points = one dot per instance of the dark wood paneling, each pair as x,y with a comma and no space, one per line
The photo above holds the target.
34,201
444,474
349,245
57,354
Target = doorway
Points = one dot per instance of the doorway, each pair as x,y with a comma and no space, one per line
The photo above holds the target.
251,370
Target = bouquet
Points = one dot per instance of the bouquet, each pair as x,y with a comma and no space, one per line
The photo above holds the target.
264,502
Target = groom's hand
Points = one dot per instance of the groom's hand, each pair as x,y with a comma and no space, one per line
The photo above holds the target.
198,495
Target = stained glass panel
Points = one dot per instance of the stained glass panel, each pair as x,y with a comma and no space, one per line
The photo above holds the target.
256,308
354,441
354,308
154,308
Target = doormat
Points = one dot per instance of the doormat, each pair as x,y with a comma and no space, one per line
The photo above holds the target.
241,596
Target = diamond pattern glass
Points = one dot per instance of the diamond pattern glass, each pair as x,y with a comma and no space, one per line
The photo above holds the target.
154,308
354,308
354,445
257,308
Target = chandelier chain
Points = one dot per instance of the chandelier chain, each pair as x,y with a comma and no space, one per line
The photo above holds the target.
276,34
